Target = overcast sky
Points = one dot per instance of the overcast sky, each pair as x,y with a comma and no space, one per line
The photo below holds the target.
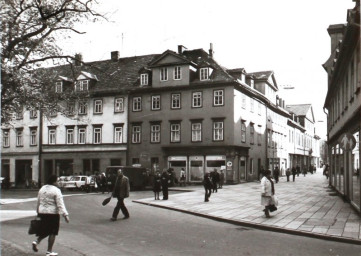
288,37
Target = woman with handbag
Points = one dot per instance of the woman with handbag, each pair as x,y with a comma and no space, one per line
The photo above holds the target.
49,208
268,190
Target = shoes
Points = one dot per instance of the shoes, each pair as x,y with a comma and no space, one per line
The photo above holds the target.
125,217
206,200
35,248
51,253
113,219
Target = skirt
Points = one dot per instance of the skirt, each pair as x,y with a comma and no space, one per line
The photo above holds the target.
49,224
266,200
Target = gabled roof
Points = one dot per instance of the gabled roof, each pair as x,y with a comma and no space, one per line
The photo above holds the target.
89,75
166,53
265,76
299,110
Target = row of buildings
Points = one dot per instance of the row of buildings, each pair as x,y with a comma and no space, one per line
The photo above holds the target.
178,109
343,105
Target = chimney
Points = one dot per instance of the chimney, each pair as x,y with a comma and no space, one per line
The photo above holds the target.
336,33
211,50
114,56
78,58
181,48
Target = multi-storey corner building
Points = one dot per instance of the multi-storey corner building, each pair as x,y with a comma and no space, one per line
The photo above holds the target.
343,102
171,110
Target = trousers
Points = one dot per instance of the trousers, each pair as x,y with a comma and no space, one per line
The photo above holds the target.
120,206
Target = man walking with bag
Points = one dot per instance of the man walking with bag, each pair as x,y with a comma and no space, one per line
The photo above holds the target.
121,191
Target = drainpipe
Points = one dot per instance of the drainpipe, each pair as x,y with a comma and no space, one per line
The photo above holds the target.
328,153
40,145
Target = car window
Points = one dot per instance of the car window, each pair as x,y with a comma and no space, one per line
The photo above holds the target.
83,178
75,179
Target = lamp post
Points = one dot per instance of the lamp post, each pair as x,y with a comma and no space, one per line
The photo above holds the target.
40,145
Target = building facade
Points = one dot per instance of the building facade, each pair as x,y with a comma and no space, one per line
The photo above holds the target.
343,102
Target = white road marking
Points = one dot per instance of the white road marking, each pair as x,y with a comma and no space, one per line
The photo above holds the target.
6,215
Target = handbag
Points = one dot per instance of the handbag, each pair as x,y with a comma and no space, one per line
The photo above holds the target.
34,226
106,201
272,208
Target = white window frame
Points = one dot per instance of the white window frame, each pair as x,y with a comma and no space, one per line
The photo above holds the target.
19,138
144,79
155,102
218,130
204,74
82,85
259,135
244,101
119,105
155,133
118,134
218,97
97,135
136,134
259,108
177,73
59,87
196,131
176,101
175,132
98,106
251,138
52,136
83,108
163,74
33,113
69,135
243,131
137,103
196,99
81,135
6,138
33,137
252,105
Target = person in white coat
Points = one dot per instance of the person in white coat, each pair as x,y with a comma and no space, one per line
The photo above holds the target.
267,191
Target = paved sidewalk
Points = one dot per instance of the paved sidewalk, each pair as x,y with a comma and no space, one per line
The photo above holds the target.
306,207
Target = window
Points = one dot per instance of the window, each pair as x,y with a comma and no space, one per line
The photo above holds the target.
33,135
252,105
33,113
244,102
137,103
6,138
259,108
197,99
19,114
97,135
81,135
82,85
70,135
70,108
144,79
175,130
136,134
251,166
155,133
204,74
59,87
243,131
163,74
83,108
19,138
196,132
52,136
98,106
251,139
135,160
176,101
118,105
156,102
177,73
118,134
218,131
218,97
259,138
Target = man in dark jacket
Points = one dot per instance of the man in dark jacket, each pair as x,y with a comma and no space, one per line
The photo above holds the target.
276,173
208,185
165,180
121,191
215,180
293,170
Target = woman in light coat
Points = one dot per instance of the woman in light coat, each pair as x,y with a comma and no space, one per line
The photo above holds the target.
267,191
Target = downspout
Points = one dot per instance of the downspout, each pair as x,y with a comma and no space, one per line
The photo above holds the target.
330,173
40,145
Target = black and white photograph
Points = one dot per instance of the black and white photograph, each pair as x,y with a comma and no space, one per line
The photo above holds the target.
171,128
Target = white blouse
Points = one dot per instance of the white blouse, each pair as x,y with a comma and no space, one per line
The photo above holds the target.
50,201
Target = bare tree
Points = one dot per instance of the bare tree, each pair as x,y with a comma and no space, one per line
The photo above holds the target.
30,31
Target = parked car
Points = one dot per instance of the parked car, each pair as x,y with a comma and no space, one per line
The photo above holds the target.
90,184
62,180
76,182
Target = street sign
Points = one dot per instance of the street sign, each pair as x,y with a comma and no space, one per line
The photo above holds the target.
347,141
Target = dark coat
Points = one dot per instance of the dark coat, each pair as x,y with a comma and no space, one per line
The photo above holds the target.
122,187
165,180
157,184
207,182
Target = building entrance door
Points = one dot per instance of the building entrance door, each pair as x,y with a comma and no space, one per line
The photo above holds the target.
23,173
242,168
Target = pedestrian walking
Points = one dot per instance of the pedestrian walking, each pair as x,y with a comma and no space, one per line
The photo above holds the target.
121,191
157,185
267,191
50,206
298,170
208,185
221,179
276,173
215,180
103,183
304,170
326,170
288,173
182,178
165,183
293,170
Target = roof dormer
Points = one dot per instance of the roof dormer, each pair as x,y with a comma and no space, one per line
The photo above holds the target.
62,83
84,81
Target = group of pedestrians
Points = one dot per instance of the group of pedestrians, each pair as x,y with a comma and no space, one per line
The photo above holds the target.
212,182
161,183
